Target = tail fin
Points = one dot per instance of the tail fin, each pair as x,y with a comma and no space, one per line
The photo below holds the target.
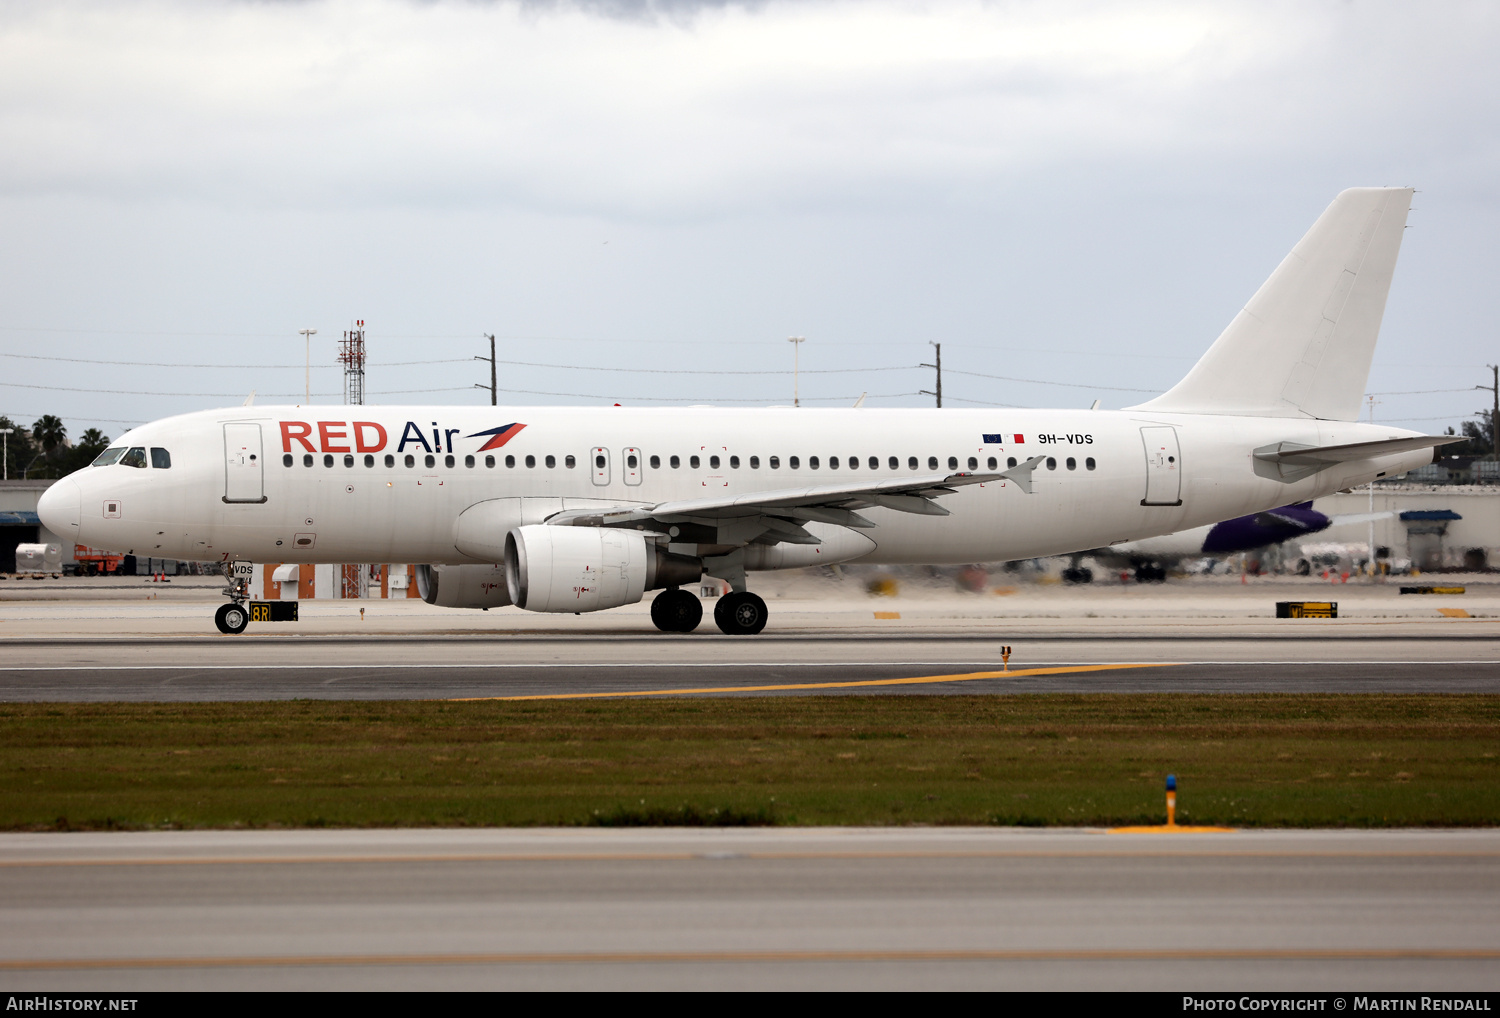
1302,346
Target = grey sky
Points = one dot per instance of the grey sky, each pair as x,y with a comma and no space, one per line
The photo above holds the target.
1076,193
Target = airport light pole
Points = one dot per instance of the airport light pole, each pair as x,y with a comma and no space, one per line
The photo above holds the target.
796,342
308,334
5,434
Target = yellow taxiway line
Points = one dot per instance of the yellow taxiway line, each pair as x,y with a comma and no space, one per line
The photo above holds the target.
920,680
710,957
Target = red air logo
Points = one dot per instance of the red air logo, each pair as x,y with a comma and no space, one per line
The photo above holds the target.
497,436
334,436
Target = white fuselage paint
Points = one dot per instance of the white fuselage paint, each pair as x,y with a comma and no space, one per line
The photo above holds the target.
398,513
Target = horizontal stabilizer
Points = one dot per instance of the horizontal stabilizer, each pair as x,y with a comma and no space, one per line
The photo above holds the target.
1291,461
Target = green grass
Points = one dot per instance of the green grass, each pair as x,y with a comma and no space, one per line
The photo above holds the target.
1244,760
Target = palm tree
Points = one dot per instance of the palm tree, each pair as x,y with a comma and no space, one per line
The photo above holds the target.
49,433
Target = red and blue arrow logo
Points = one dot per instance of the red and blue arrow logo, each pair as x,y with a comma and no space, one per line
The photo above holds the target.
498,436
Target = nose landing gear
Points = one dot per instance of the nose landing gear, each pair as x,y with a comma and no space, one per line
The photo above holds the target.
232,618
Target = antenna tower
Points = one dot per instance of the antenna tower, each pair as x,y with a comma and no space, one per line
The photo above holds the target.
352,357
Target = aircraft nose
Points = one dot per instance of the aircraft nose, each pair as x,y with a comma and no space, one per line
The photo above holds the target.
60,507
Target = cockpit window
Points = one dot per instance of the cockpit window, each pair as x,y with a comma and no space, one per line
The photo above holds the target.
134,458
109,457
160,459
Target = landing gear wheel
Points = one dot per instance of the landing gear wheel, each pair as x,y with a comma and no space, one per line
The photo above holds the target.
232,618
1078,575
676,611
740,613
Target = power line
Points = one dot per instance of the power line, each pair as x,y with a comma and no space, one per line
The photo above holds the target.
1041,381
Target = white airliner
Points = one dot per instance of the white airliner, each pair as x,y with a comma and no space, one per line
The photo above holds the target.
572,509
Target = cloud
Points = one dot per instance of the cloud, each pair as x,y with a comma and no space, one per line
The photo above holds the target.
667,109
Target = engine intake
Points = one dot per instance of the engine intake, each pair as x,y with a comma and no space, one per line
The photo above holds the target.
585,569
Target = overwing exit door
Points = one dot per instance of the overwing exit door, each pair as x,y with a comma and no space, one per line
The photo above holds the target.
632,470
243,464
1163,466
599,463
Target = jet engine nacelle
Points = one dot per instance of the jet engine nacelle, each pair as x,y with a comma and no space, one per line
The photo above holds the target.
585,569
463,586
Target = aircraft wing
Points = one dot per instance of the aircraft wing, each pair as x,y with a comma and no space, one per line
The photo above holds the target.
782,512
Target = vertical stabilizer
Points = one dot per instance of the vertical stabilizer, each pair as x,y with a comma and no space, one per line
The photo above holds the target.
1302,346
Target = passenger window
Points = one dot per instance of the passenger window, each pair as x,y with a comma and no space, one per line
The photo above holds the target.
973,462
693,462
489,461
369,460
932,463
469,461
570,462
390,460
448,460
1051,463
993,463
430,460
734,463
812,462
307,460
952,462
630,461
893,462
411,460
833,462
655,462
1010,462
510,461
551,462
713,462
348,459
328,459
754,462
774,462
134,458
598,461
911,463
1089,463
674,462
110,457
853,462
162,460
287,460
1072,463
531,461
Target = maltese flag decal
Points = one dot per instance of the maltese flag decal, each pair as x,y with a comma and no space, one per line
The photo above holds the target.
498,436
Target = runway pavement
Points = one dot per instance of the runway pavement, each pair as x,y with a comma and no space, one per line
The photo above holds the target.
113,643
756,909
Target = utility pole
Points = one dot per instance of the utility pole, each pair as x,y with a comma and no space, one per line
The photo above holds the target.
308,334
1494,412
796,342
1371,534
5,434
938,367
494,392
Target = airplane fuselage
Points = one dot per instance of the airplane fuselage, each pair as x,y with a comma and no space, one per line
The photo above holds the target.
390,484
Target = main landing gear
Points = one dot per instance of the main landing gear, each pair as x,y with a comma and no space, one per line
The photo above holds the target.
676,611
739,613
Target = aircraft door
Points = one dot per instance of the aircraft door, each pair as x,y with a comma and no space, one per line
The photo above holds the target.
243,464
633,465
1163,466
599,463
